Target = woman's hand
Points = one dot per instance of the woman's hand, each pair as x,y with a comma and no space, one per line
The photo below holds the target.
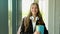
36,32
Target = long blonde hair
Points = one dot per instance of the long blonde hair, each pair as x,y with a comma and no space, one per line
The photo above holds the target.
27,20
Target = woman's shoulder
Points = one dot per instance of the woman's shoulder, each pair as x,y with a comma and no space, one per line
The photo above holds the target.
24,18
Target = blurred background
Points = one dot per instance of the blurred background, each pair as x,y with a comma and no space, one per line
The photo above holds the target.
13,11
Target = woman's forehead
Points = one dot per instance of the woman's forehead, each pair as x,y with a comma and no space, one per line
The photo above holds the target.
34,5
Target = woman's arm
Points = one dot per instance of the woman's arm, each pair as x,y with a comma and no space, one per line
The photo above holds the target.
18,32
21,28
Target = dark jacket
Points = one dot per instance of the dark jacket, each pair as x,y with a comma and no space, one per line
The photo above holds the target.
30,28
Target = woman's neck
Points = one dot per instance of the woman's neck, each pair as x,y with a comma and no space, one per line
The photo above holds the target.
34,16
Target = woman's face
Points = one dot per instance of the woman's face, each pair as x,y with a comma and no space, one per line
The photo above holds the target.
34,9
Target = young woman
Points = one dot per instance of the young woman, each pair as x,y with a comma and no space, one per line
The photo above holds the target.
34,18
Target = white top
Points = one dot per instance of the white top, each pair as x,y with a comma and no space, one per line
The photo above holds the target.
34,23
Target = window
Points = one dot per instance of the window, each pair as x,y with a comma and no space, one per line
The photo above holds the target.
26,6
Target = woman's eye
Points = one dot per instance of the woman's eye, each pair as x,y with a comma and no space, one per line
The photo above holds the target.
35,7
32,7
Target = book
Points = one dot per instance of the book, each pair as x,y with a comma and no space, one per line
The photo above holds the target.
40,28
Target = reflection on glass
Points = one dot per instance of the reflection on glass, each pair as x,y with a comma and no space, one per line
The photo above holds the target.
10,16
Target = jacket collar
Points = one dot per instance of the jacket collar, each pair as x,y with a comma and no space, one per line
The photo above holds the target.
32,18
